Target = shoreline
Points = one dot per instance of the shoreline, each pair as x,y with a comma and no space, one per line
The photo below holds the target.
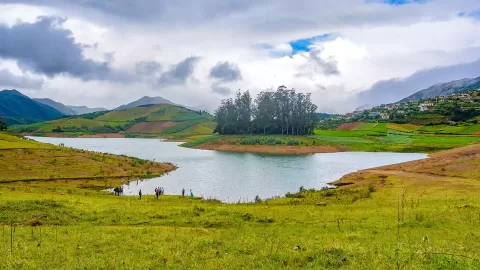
272,149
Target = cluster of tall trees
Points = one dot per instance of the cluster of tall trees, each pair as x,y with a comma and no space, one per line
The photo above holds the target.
3,124
281,112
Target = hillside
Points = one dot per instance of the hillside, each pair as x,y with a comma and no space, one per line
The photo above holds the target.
144,101
56,105
17,108
444,89
148,120
24,160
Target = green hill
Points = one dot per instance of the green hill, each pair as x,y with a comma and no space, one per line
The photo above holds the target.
147,120
17,108
445,89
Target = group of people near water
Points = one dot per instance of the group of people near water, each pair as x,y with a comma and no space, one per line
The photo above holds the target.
161,191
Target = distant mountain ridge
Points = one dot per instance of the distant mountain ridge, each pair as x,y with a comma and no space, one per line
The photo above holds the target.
56,105
84,109
67,109
17,108
449,88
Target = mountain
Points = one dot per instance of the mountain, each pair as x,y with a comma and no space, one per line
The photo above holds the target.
56,105
17,108
155,120
445,89
145,101
364,107
84,109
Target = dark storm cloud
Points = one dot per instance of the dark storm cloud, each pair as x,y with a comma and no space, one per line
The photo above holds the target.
396,89
44,47
225,71
179,73
7,79
221,90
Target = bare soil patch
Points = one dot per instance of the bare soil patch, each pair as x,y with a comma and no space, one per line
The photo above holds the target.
348,126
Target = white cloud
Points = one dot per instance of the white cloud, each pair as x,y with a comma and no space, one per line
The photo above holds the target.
373,42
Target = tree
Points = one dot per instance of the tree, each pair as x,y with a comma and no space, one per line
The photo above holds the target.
280,112
3,124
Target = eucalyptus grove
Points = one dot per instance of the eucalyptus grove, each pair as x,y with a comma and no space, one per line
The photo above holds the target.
281,112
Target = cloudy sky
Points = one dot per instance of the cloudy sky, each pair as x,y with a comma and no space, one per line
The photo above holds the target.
104,53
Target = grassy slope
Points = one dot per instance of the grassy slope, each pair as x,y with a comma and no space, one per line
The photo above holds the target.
26,160
190,122
344,140
405,221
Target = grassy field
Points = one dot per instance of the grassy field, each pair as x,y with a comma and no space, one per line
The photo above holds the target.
183,123
419,215
31,161
336,140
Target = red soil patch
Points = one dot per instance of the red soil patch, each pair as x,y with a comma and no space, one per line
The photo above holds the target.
151,127
348,126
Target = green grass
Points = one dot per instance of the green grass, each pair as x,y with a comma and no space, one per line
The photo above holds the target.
353,140
343,140
375,127
361,228
200,141
190,122
425,221
26,160
348,133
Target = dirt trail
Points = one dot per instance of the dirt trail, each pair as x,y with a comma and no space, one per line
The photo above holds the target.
414,174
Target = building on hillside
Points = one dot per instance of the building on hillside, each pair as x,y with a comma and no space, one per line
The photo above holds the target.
373,114
400,112
465,97
384,116
425,106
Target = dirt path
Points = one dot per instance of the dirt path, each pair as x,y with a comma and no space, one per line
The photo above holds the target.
413,174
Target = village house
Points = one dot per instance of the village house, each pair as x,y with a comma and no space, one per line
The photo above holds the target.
373,114
384,116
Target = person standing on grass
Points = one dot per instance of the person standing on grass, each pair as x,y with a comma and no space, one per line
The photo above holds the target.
191,194
140,194
183,192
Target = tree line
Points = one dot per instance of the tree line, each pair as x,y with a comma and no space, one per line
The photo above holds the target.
281,112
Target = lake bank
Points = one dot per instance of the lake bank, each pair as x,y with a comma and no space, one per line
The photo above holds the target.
30,161
272,149
426,224
233,177
332,141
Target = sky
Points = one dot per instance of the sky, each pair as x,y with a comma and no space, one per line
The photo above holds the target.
347,53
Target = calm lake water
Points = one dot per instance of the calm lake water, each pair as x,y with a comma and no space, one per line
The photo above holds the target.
231,177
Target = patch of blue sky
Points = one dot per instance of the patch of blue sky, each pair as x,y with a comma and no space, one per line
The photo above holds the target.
303,45
297,46
397,2
473,14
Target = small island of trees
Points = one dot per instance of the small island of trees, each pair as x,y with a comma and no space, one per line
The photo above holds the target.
281,112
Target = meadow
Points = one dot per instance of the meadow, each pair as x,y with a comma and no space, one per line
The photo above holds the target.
338,140
142,121
397,217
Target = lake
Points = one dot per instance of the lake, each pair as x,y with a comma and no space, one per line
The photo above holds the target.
233,177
